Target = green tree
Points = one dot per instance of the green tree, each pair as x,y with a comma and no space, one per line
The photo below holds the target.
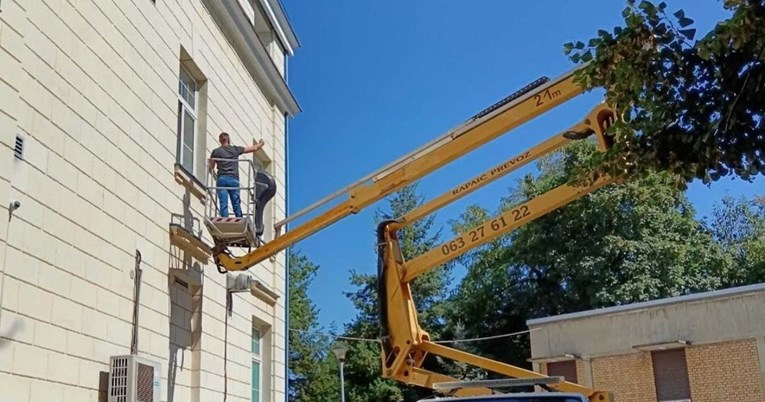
738,225
363,371
312,374
692,107
623,243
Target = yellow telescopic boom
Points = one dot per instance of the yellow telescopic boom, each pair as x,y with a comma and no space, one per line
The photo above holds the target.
511,112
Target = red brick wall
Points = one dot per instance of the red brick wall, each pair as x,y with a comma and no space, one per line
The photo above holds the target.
727,371
716,372
629,377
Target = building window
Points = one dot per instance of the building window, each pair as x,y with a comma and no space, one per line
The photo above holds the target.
187,121
671,375
257,361
565,369
190,159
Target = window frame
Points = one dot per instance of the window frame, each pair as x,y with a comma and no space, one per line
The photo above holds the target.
256,358
183,108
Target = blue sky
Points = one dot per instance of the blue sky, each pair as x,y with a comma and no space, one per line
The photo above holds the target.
378,79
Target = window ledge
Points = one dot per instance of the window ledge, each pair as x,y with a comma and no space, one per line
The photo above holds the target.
263,293
186,179
187,241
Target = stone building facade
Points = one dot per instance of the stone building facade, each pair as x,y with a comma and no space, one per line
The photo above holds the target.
108,111
706,347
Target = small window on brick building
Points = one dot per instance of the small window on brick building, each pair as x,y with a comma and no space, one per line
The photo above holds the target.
671,375
566,369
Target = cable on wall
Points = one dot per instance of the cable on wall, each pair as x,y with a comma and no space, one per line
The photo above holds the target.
484,338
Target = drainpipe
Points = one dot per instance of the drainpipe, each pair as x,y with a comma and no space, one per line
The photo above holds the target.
285,229
287,260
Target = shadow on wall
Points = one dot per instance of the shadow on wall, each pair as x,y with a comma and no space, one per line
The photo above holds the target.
14,328
188,219
185,311
103,386
184,290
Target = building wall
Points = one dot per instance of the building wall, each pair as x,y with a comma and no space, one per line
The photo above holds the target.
724,360
726,371
629,377
92,87
727,315
716,372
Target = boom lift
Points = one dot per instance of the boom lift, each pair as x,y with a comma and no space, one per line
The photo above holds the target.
405,343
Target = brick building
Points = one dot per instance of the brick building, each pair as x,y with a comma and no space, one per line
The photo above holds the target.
706,347
108,111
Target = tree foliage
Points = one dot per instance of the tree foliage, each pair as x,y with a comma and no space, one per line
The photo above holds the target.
738,225
312,374
624,243
691,107
363,379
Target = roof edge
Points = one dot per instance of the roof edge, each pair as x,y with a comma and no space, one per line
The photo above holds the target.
279,17
233,22
714,294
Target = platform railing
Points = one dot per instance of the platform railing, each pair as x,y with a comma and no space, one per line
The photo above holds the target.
246,183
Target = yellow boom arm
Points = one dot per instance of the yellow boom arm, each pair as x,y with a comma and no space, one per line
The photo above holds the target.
516,109
405,343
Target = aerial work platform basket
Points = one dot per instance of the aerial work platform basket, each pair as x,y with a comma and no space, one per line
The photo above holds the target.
256,188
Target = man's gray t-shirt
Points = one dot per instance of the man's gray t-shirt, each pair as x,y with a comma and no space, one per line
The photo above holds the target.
228,168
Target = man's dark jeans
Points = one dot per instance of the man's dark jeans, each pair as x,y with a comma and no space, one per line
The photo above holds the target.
224,193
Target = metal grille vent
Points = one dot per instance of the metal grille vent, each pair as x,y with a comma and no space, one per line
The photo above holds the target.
18,148
145,383
119,385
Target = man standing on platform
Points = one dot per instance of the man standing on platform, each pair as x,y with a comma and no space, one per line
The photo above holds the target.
227,180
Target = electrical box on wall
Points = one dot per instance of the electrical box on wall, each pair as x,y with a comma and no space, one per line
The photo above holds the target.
133,379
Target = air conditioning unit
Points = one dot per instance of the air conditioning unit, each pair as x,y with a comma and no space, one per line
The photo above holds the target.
133,379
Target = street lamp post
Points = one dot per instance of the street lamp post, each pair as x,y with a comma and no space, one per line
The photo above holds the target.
339,349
